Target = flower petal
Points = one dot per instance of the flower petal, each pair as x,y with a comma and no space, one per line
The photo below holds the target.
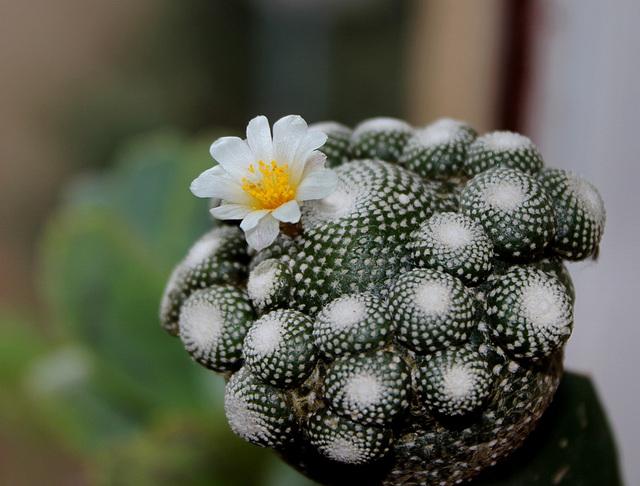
311,141
221,188
264,233
259,139
234,155
230,211
252,219
288,132
204,184
315,161
288,212
317,185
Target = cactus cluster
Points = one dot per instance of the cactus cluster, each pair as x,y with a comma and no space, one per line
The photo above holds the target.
411,328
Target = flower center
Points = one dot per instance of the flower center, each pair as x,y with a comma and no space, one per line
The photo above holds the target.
274,188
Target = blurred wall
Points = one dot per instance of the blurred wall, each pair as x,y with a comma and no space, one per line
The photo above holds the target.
455,65
584,114
45,48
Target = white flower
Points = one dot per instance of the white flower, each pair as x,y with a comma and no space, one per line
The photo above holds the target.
262,180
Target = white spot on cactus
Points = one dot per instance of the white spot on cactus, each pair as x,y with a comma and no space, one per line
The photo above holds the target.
588,196
433,298
543,306
381,124
267,336
262,284
346,313
205,247
338,205
458,382
453,233
329,127
506,141
362,391
201,324
505,195
440,132
343,450
244,422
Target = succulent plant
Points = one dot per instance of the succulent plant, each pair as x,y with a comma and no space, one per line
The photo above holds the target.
399,317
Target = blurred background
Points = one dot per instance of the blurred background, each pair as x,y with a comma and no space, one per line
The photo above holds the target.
107,109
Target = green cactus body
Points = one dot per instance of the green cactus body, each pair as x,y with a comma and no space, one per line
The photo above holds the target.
356,239
531,312
346,441
505,149
439,150
219,256
381,138
513,209
352,324
257,412
454,243
212,325
269,284
408,327
580,212
369,388
432,309
454,381
279,347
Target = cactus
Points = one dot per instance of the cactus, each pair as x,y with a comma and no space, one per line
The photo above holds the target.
398,317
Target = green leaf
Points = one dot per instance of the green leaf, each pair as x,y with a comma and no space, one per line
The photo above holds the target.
64,387
105,287
20,343
106,257
182,448
149,188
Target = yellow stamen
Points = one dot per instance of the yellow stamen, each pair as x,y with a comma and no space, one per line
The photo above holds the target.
274,189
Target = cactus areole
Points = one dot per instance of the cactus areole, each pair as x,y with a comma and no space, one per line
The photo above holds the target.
392,305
